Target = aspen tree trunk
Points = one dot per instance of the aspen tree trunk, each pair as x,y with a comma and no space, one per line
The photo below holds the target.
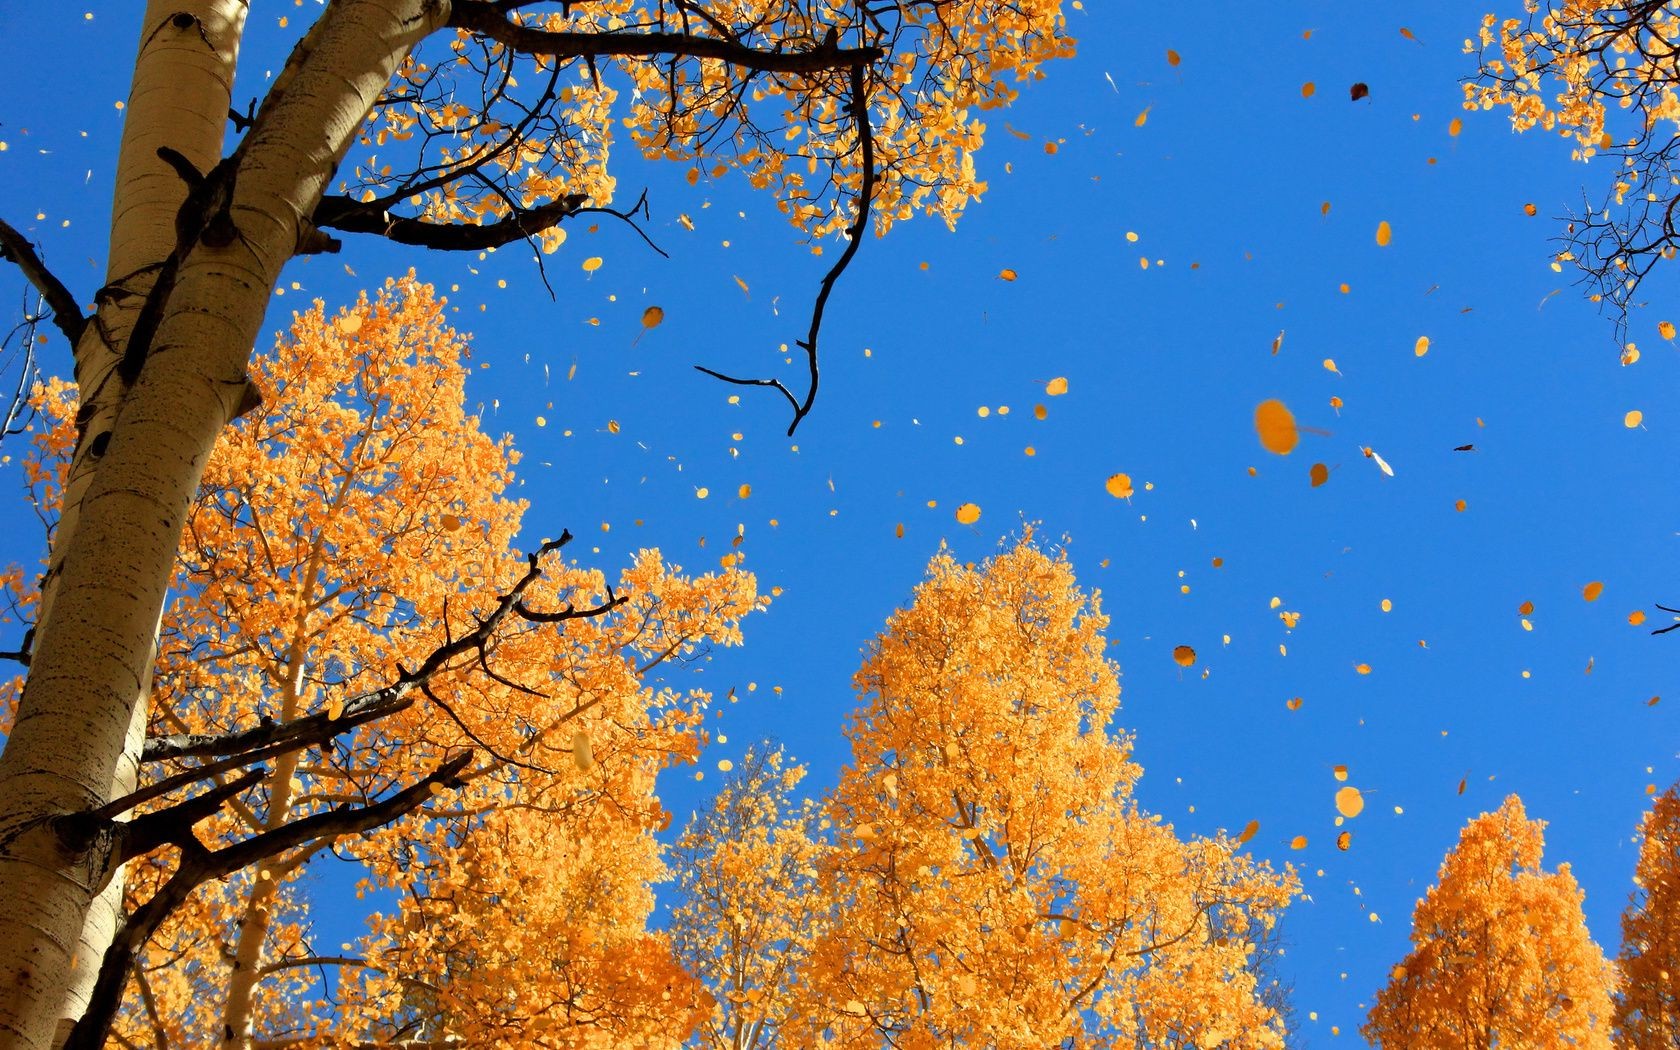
92,660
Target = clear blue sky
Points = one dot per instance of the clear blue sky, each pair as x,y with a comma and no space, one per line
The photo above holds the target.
1165,366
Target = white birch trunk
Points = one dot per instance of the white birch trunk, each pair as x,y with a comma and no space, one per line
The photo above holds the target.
92,661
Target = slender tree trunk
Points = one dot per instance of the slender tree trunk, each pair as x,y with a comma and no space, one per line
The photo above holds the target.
111,566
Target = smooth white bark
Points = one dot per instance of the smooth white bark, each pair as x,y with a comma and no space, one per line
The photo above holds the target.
92,659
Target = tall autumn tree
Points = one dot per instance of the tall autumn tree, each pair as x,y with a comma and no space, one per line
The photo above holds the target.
1501,956
1648,1003
492,121
1603,74
995,884
346,535
748,903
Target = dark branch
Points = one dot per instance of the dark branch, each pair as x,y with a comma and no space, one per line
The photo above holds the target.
481,16
198,866
342,213
15,248
854,238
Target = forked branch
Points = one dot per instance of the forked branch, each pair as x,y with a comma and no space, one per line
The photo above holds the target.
16,249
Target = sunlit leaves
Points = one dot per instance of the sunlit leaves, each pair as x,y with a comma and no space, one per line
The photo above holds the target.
1119,486
1056,387
1184,656
968,513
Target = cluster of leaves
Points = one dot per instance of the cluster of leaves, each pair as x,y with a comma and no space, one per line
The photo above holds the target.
341,537
1502,956
821,103
986,877
1569,66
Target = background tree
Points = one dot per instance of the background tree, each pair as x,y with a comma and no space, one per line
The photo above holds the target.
1648,1002
996,884
355,528
748,904
1501,956
506,120
1604,74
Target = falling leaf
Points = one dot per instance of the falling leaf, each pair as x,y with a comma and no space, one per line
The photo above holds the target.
1293,703
1344,840
1276,426
1330,366
1636,617
1362,668
1460,506
1382,464
1665,329
1319,474
1184,656
1455,127
1307,89
1298,842
1349,802
1339,772
1462,783
744,289
1422,346
1143,118
1384,234
1056,387
1248,831
968,514
652,316
1120,486
1172,57
1592,590
1530,210
1387,606
591,264
1358,91
1277,344
1633,419
1006,275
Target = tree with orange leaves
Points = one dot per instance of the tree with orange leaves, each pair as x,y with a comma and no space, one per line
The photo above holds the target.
995,884
1648,1003
748,902
350,616
1501,956
1602,74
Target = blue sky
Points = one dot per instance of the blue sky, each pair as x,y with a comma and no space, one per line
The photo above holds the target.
1223,186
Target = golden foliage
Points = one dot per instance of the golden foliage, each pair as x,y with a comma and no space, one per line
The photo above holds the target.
1648,1005
341,534
1501,955
995,884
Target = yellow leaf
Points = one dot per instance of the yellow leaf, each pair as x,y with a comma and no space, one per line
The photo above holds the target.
1422,346
1276,426
1172,57
1184,656
1143,118
1349,802
1298,842
1056,387
1120,486
1384,234
1455,127
591,264
1318,475
1307,89
1592,590
652,316
968,514
1633,419
1665,329
1006,274
1248,831
1636,617
1387,606
1362,668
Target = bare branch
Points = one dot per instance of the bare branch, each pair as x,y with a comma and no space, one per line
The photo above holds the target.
15,248
481,16
199,865
342,213
854,237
